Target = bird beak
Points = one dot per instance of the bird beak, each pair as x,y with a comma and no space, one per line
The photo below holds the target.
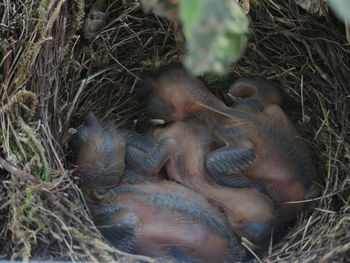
157,121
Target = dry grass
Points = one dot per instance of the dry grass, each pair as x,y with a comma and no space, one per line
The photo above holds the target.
50,78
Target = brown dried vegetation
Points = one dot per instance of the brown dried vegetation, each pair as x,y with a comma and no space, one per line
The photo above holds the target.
50,78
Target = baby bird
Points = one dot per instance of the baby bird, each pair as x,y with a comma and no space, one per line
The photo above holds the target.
99,154
165,220
104,152
257,146
279,162
175,94
249,212
254,94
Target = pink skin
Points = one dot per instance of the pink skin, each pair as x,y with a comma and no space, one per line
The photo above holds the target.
275,166
259,89
158,228
186,165
272,165
183,95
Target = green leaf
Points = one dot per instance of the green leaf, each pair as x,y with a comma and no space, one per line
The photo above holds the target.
189,12
215,32
342,9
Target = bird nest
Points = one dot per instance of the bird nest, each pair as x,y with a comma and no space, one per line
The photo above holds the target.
50,78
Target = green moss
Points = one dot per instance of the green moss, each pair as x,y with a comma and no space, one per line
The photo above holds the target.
79,236
18,150
23,254
217,81
255,2
27,217
37,149
28,202
28,213
25,151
